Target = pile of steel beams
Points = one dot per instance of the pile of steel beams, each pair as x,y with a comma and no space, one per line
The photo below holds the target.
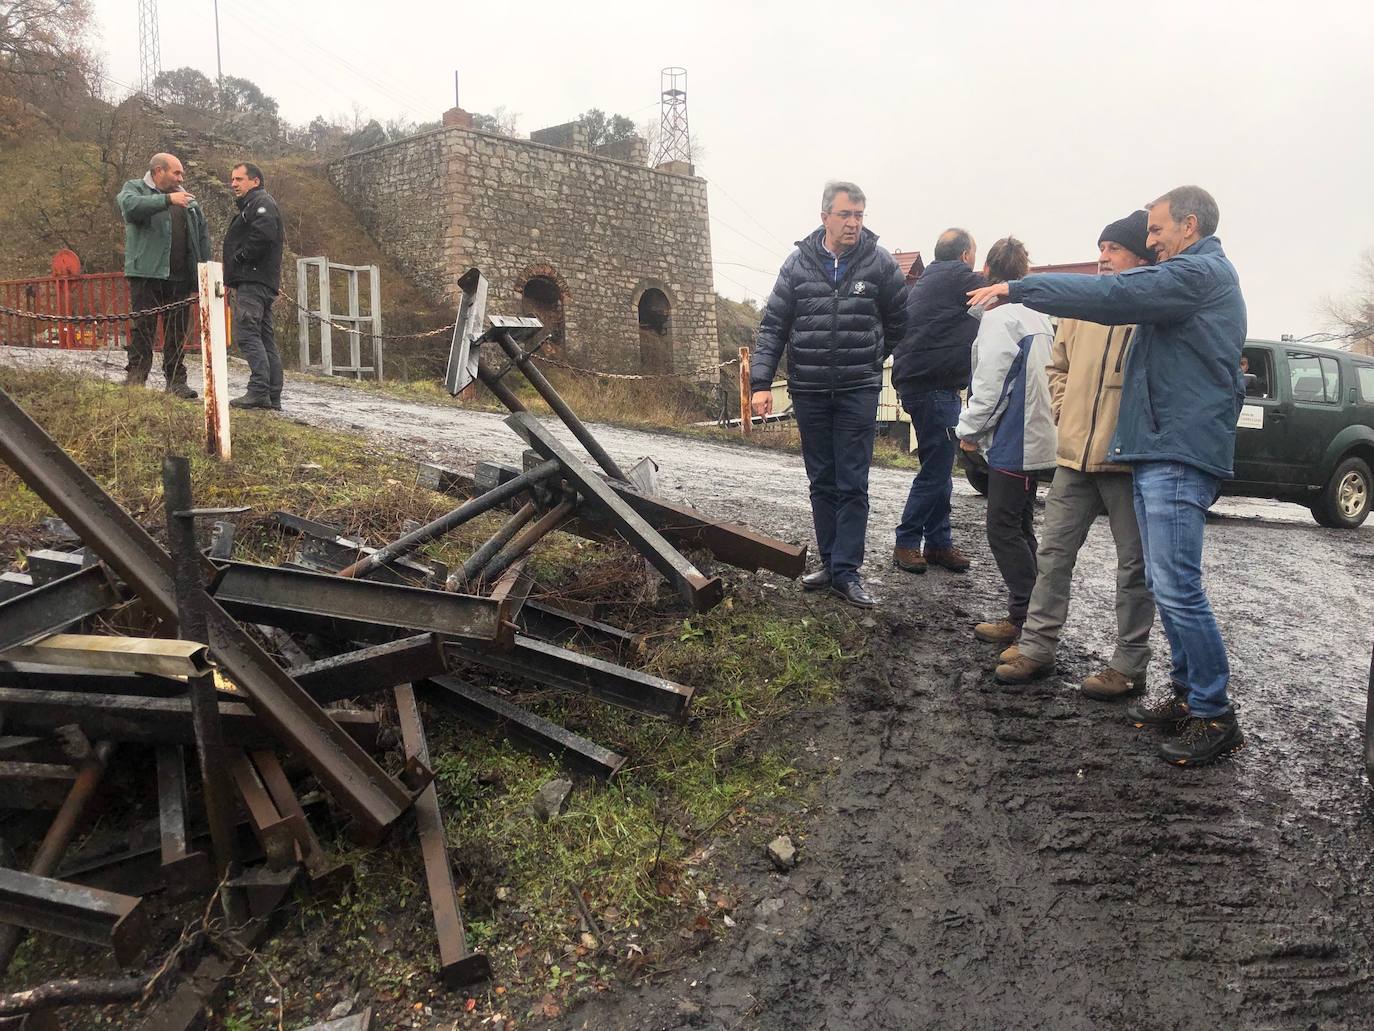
253,689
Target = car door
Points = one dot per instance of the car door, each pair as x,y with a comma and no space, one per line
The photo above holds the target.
1262,443
1317,413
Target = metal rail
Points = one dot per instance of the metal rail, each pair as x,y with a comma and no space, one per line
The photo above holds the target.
457,966
74,911
51,608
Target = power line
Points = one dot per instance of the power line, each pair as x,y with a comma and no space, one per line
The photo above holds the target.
766,246
747,213
751,268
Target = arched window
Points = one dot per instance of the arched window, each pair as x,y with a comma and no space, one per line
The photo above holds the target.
541,297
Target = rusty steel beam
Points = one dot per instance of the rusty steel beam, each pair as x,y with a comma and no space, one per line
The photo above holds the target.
559,626
1369,725
464,513
324,547
43,677
351,609
183,868
146,720
552,666
276,831
327,876
485,709
369,670
90,771
30,785
457,966
478,560
519,548
686,527
74,911
698,590
371,795
53,607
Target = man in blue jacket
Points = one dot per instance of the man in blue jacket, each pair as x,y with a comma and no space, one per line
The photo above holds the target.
837,310
930,366
1180,399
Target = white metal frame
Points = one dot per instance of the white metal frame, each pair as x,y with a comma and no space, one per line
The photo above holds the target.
323,267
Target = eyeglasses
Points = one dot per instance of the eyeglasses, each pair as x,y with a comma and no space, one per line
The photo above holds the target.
847,216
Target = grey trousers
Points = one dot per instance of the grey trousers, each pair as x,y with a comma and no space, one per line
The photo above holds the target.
1074,501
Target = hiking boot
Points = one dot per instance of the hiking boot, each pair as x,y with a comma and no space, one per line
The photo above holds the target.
182,390
1004,632
1022,670
1203,739
909,560
817,581
276,404
949,558
133,378
1111,685
249,401
1009,653
1165,713
855,593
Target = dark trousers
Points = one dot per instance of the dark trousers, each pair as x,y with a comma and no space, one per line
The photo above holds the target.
926,515
149,293
837,432
1011,535
257,340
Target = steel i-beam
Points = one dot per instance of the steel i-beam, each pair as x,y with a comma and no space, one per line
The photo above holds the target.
56,605
700,591
73,911
360,783
457,965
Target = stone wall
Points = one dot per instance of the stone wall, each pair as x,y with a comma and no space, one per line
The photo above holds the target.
602,232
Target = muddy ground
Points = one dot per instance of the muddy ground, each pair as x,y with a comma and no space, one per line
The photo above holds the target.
977,856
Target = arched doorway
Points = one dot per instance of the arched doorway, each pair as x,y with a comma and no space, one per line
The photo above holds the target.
542,297
655,333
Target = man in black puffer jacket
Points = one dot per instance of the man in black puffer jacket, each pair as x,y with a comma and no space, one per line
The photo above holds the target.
931,365
252,267
838,308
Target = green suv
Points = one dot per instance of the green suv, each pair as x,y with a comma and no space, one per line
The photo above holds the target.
1306,431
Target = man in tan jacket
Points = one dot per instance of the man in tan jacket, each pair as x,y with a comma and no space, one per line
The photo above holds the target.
1085,374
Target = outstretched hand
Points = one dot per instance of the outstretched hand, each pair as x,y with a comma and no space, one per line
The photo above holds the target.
987,297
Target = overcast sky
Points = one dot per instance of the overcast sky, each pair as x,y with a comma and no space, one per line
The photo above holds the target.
1046,119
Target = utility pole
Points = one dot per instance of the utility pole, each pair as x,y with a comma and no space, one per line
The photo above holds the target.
219,64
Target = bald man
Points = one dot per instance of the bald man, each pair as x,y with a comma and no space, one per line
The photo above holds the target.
165,237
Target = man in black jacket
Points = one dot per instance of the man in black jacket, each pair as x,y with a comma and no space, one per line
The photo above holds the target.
252,267
931,366
837,309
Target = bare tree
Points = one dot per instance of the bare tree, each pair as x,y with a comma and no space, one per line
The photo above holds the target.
38,37
1353,316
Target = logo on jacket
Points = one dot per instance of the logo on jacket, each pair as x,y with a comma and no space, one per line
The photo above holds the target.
860,288
262,211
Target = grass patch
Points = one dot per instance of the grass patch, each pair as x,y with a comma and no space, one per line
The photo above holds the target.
634,856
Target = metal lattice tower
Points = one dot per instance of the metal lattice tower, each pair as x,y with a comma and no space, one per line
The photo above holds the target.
149,49
674,142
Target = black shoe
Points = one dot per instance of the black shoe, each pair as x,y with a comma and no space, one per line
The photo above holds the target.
1203,740
855,593
276,404
817,581
1165,713
249,401
181,390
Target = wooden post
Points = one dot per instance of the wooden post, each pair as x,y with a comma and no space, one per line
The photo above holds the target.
746,407
214,358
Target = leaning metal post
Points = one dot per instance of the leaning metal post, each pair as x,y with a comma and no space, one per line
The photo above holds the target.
214,345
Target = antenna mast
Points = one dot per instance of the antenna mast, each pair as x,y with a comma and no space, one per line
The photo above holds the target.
149,49
675,141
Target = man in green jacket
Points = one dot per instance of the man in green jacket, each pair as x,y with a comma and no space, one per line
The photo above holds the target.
165,237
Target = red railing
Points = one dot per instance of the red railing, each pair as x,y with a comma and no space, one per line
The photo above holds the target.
96,293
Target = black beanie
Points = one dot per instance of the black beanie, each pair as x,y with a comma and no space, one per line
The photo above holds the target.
1130,232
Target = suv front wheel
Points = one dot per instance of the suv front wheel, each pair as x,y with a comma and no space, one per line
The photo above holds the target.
1345,500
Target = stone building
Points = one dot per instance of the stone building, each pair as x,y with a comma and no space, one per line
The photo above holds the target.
613,255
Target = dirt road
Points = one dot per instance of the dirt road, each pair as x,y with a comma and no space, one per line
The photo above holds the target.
985,857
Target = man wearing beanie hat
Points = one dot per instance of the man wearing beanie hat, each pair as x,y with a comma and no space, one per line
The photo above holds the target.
1085,373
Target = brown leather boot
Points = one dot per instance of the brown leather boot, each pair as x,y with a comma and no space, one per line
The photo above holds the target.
1022,669
949,558
1111,685
1009,653
909,560
1003,632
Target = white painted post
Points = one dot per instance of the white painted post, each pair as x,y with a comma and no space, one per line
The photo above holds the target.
214,359
326,334
375,294
355,338
302,317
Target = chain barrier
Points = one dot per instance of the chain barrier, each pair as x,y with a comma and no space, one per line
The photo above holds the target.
367,332
39,316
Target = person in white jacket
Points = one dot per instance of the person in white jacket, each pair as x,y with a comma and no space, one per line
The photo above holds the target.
1009,420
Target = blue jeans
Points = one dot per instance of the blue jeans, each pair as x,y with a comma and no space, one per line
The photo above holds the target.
926,516
1171,501
837,432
